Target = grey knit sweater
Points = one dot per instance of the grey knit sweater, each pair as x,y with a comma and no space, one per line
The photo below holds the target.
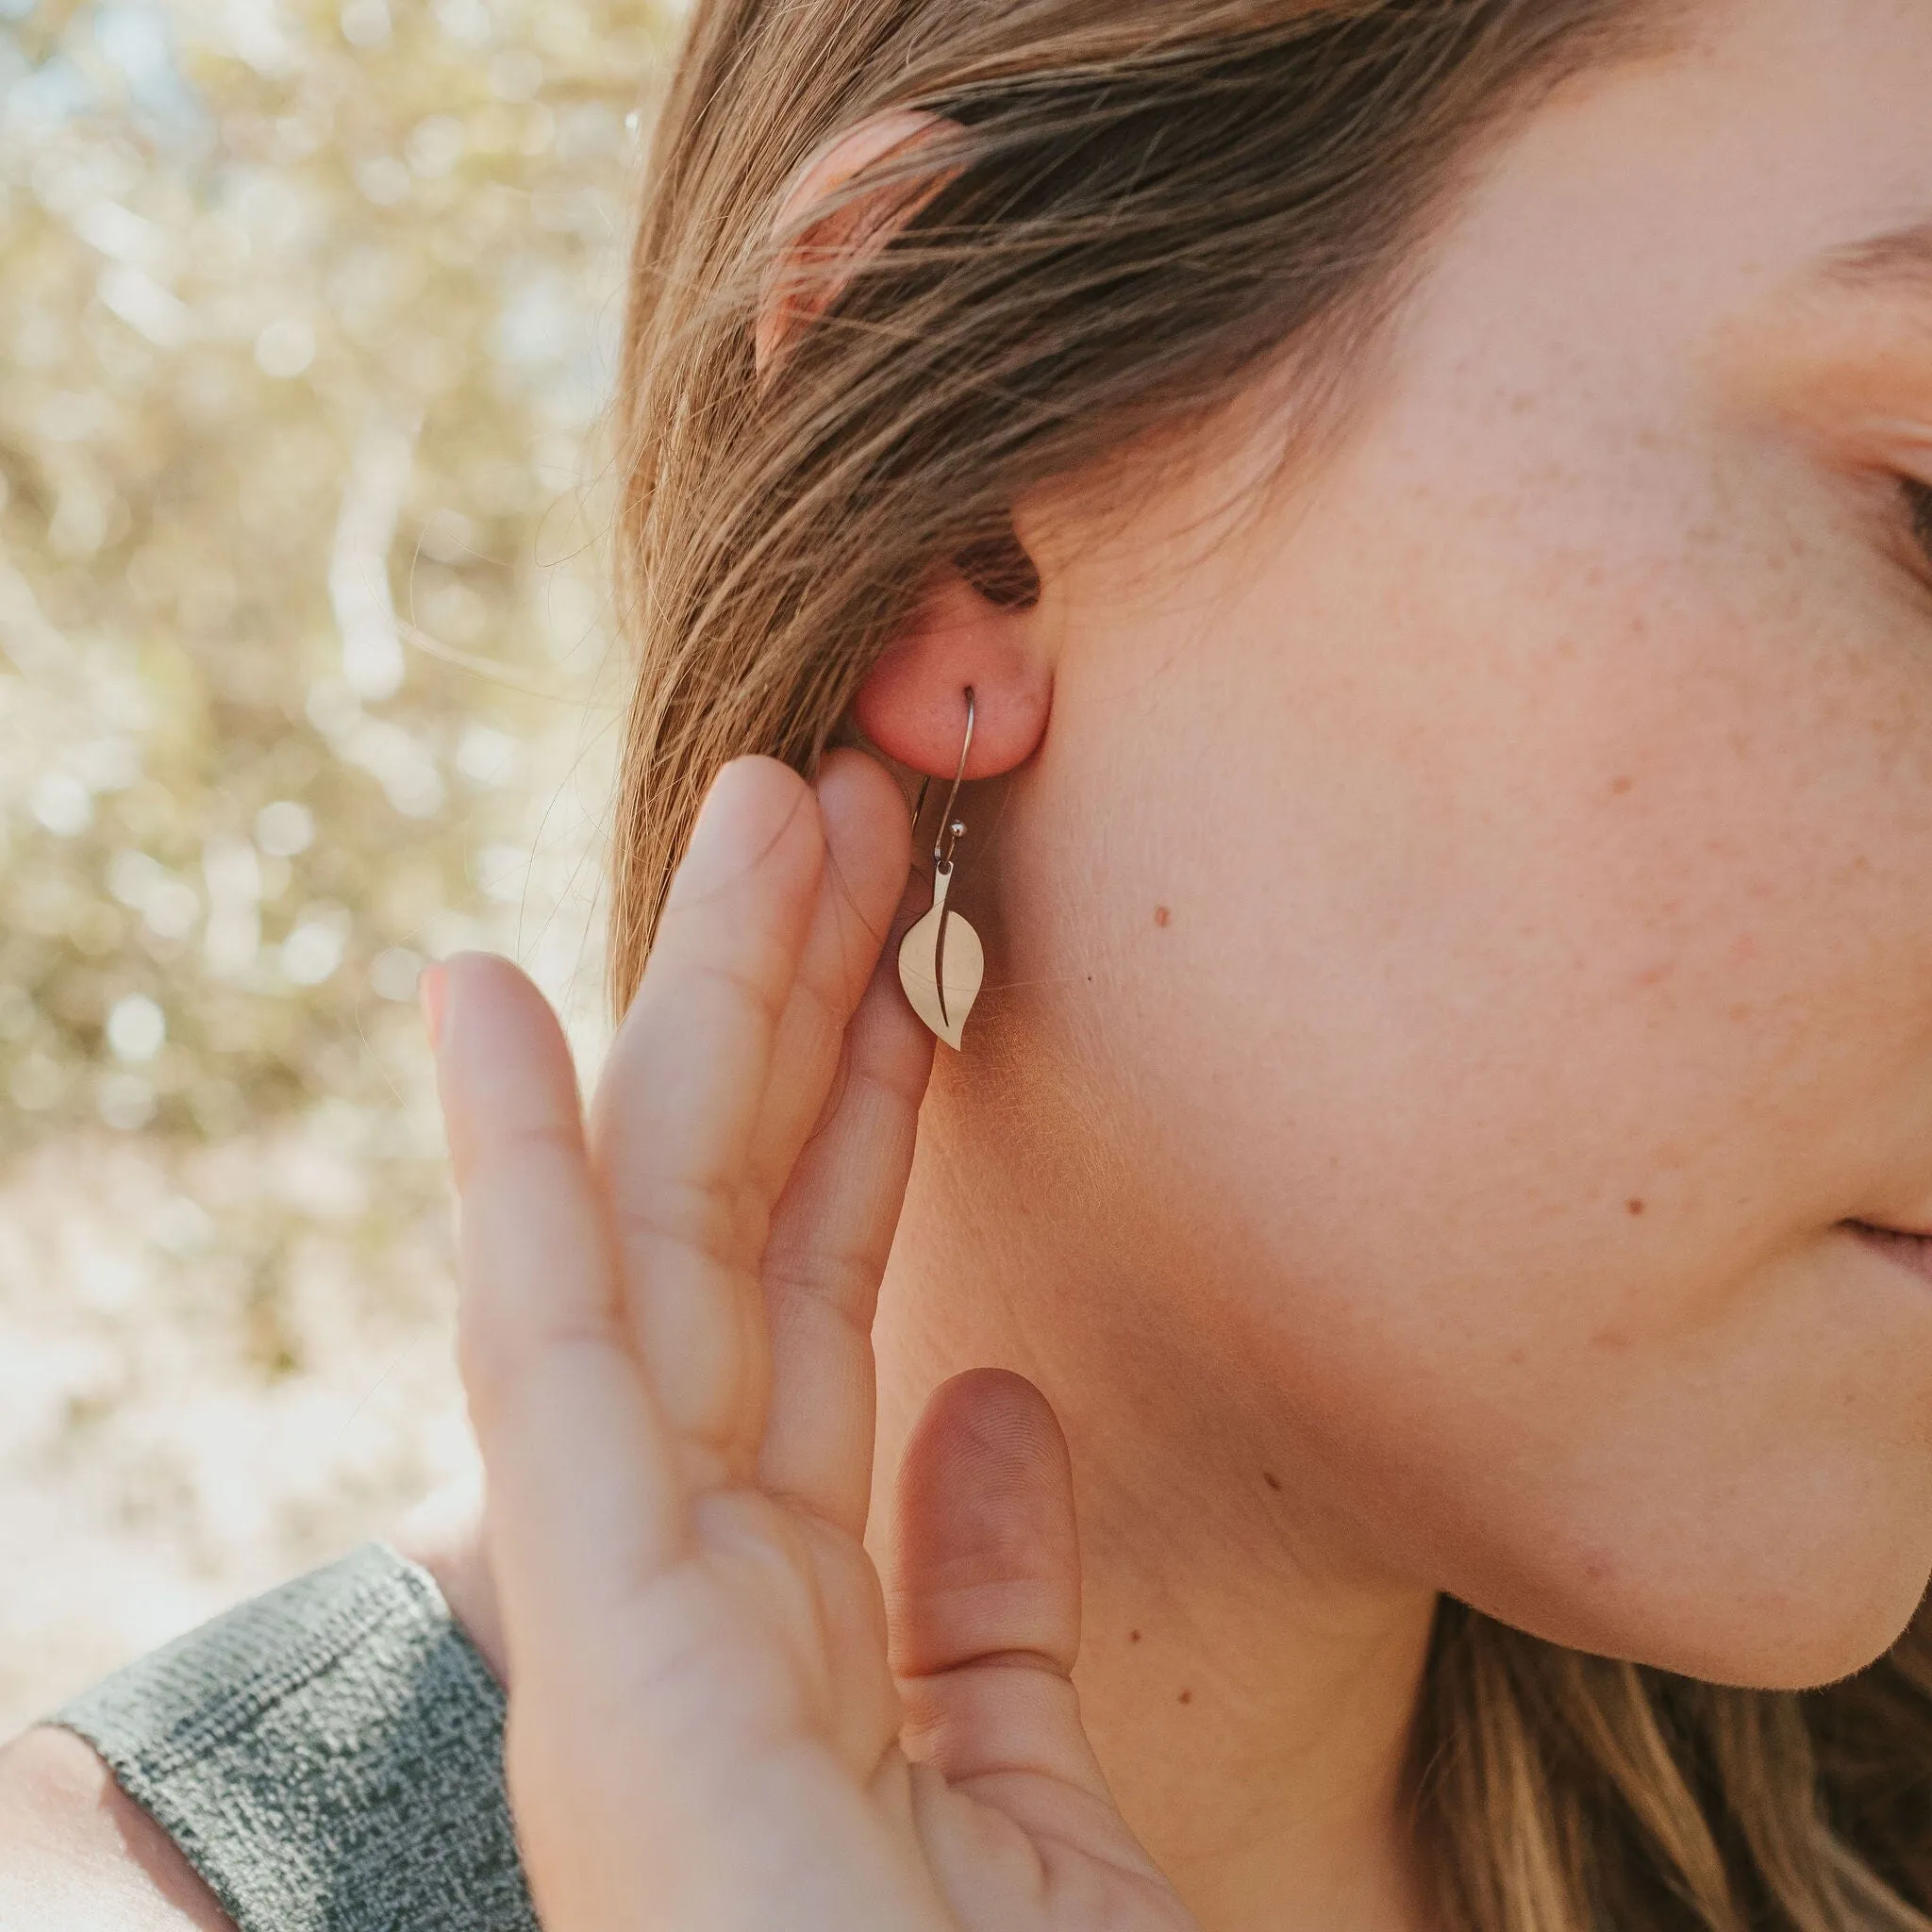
328,1757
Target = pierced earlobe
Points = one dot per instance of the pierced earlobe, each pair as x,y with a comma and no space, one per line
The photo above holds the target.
941,963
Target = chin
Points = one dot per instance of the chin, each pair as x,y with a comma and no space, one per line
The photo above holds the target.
1787,1632
1757,1603
1814,1652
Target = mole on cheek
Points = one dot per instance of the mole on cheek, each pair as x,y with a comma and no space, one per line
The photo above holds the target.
1633,1206
1619,788
1163,916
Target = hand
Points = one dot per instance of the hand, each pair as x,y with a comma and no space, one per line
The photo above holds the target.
666,1344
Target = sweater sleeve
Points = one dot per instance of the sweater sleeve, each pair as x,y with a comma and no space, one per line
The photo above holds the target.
329,1758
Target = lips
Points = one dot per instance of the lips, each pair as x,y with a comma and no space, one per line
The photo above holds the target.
1913,1251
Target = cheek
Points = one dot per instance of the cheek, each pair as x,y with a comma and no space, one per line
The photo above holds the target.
1629,912
1610,797
1508,1008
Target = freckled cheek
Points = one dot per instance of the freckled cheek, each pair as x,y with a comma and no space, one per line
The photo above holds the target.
1655,952
1590,853
1749,969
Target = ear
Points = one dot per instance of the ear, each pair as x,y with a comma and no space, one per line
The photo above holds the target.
964,636
815,255
977,627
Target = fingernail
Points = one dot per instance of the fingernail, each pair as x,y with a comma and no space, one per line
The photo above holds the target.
432,994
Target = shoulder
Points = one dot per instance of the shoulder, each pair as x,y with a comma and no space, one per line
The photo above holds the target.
76,1853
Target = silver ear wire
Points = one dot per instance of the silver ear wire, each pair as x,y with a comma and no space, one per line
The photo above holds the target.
950,831
942,845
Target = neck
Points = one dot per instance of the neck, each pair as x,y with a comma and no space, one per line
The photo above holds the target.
1249,1686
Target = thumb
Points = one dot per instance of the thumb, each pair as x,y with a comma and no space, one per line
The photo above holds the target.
985,1598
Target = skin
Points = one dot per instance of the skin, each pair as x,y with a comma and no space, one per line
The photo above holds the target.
1459,973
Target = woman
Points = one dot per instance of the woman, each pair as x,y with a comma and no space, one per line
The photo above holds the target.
1413,519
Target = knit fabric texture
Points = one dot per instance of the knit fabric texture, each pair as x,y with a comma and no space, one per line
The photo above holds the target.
329,1758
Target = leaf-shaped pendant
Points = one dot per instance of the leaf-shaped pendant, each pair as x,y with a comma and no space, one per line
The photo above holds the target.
941,965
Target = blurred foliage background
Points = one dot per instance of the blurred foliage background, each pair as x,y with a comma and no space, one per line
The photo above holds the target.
308,313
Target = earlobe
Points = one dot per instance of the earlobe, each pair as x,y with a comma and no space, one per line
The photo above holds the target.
912,704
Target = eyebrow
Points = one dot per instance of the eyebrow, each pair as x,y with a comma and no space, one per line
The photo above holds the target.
1900,258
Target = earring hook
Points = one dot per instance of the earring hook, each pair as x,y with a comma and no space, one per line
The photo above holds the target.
950,832
950,829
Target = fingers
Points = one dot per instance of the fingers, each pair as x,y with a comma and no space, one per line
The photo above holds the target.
682,1105
985,1602
584,1503
867,854
834,1220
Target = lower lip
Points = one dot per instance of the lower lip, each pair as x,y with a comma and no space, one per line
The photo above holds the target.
1912,1251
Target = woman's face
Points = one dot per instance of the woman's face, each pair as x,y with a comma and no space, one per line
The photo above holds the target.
1472,919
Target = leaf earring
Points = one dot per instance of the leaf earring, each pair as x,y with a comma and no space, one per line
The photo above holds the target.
940,960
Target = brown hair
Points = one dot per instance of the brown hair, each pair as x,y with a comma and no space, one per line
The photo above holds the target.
1131,209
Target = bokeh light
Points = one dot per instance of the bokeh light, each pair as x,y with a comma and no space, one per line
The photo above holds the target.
307,323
